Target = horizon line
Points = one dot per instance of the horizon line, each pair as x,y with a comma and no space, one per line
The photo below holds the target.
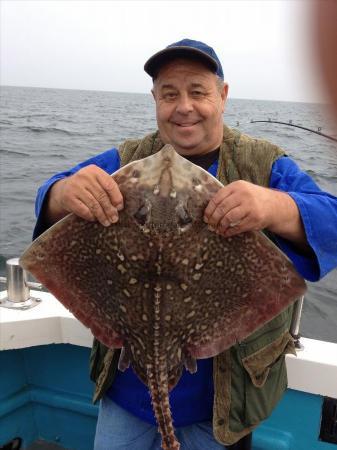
148,93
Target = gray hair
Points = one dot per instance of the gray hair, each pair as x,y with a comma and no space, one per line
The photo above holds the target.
220,83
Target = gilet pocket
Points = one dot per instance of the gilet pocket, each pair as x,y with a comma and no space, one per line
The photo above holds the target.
266,378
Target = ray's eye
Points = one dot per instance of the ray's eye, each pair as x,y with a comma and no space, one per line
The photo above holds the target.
141,215
183,217
136,174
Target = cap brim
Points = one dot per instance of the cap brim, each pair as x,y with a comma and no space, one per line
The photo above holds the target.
154,63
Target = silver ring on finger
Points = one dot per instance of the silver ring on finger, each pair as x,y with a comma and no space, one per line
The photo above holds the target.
234,224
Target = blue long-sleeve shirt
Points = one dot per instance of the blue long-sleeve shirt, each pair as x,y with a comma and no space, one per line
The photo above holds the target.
192,399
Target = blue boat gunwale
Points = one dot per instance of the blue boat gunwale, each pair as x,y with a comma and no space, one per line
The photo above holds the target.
46,392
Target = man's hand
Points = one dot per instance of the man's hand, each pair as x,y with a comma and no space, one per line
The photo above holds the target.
242,206
90,193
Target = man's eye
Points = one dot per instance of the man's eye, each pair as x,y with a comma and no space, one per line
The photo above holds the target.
170,95
197,93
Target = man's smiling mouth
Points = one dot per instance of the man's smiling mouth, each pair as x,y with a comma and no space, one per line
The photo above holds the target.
186,125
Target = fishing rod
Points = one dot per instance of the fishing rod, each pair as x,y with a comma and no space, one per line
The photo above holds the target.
291,124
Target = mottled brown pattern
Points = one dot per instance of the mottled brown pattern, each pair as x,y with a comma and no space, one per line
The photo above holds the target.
159,283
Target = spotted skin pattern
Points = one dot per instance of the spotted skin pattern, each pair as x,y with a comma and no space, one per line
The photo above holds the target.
158,283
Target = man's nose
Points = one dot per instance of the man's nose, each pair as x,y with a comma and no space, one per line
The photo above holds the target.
185,104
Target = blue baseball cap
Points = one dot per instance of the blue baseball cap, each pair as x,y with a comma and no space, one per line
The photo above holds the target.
186,48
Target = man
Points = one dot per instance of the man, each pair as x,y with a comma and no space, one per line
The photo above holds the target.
231,394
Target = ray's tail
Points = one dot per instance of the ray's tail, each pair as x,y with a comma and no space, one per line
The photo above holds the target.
158,385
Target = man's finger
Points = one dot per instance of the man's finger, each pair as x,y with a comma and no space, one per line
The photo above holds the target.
111,188
222,210
94,207
232,219
215,201
102,197
81,210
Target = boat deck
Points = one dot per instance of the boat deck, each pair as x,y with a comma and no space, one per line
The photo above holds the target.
43,445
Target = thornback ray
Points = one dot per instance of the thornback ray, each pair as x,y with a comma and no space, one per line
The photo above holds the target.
159,284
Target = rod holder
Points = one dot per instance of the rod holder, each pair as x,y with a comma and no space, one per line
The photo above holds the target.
18,288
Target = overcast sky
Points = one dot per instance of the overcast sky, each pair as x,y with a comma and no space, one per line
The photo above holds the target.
102,45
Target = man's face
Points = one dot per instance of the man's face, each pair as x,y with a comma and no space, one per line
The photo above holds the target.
189,106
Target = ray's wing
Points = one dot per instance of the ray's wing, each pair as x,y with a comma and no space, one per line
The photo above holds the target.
228,288
91,269
223,288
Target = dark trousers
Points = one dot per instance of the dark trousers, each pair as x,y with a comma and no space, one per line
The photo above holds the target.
243,444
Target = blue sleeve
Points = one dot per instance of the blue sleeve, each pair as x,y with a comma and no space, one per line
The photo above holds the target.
108,161
318,210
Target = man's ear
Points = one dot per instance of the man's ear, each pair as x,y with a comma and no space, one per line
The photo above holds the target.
224,92
224,95
153,93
